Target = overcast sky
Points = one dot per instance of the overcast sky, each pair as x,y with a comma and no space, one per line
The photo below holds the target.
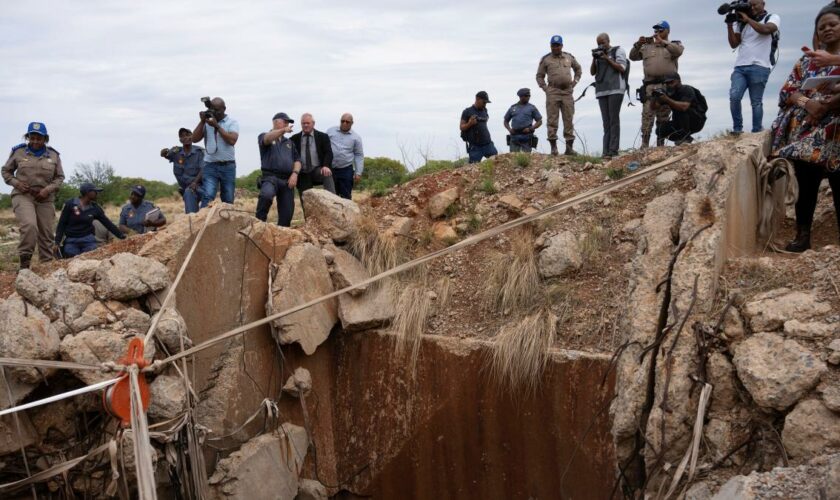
113,81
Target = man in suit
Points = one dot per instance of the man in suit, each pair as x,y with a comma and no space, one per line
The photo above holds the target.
316,156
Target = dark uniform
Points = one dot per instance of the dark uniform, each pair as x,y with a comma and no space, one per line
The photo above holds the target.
522,116
187,168
133,217
277,164
39,169
75,231
659,60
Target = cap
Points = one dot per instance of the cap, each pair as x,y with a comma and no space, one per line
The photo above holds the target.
87,187
36,128
483,95
556,40
523,92
184,130
670,77
662,25
139,190
283,116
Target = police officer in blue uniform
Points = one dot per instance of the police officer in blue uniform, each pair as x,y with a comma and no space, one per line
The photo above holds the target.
521,120
75,231
280,165
187,164
138,215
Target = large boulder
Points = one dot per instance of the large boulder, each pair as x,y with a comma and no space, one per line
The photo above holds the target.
168,397
71,298
440,202
347,271
769,311
126,276
311,489
98,346
83,270
561,255
171,329
810,429
267,466
25,333
371,307
338,216
98,313
34,288
443,232
776,372
303,276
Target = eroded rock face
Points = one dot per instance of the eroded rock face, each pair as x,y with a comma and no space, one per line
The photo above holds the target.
171,329
126,276
71,298
83,271
265,467
562,254
95,347
25,333
810,429
347,271
776,372
168,397
770,311
373,309
337,216
311,489
33,288
440,202
303,276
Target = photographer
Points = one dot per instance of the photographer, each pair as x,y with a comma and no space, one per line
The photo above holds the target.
474,129
660,57
521,120
609,65
755,35
220,133
688,107
280,164
187,163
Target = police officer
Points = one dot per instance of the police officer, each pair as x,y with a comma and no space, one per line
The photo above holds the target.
559,65
34,171
75,232
280,164
187,162
139,215
521,120
660,58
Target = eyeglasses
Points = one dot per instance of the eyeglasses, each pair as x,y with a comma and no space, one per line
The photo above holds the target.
346,121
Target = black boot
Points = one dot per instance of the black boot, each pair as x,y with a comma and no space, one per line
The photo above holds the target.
802,241
25,261
645,141
660,142
554,151
569,150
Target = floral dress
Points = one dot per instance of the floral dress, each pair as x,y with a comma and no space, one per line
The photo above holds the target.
795,139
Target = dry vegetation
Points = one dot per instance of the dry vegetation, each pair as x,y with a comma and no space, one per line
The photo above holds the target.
513,280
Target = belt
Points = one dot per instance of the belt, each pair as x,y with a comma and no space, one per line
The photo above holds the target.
345,166
521,131
226,162
282,177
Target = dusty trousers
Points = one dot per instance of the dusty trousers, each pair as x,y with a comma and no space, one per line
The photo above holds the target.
661,115
37,221
559,102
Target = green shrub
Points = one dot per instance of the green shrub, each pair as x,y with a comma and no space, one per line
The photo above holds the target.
248,182
522,159
117,190
382,173
615,173
487,177
433,166
5,201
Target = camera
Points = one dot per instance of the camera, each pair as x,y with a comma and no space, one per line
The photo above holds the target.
598,53
480,118
210,113
658,93
732,8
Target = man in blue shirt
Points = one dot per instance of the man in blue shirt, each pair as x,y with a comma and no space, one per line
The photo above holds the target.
220,133
521,120
280,165
474,129
187,163
348,156
139,215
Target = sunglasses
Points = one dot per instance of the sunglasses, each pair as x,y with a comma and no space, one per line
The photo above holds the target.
346,121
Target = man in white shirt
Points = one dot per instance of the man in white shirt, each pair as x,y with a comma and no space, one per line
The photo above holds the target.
755,35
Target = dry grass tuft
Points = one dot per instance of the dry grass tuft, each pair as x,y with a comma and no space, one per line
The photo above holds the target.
376,251
520,351
513,282
595,241
415,303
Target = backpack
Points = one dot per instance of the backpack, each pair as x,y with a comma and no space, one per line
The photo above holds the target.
774,44
625,75
699,110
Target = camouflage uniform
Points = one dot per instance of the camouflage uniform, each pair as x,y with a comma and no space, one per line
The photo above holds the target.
658,61
36,218
558,92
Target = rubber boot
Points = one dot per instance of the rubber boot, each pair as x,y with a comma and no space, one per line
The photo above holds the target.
554,151
802,241
645,141
25,261
569,150
660,142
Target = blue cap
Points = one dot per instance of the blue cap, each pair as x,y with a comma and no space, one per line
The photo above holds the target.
87,187
557,40
37,128
662,25
523,92
139,190
283,116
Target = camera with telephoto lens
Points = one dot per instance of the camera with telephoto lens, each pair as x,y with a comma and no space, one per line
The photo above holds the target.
599,52
731,9
210,113
658,93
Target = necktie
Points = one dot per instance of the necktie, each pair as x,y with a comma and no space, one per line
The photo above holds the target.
308,154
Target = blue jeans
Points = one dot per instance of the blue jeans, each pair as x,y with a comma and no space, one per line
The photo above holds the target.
343,178
752,78
191,200
217,175
78,246
476,153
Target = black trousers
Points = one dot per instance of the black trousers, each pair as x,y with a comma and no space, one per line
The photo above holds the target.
681,126
810,177
610,109
275,187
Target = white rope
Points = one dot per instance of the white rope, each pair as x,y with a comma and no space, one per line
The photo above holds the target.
146,488
693,450
52,471
58,397
42,363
